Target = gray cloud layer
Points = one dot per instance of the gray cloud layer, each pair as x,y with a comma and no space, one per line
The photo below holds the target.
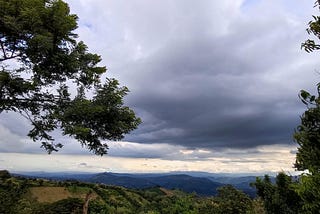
217,76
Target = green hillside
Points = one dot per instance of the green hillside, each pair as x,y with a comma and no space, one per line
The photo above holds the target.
22,195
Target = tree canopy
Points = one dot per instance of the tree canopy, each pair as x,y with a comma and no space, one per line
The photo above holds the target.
278,197
307,134
41,62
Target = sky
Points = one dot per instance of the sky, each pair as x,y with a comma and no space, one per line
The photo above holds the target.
215,83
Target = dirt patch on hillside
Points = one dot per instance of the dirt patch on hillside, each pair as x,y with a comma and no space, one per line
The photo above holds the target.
49,194
53,194
166,191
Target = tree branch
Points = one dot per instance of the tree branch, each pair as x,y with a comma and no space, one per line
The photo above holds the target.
5,56
14,48
41,101
11,57
3,50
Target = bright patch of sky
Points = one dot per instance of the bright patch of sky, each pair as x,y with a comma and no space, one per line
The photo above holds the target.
269,159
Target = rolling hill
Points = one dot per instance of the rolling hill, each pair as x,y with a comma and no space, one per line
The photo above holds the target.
205,186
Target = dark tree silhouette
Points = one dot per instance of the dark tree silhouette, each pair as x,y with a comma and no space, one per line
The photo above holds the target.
40,59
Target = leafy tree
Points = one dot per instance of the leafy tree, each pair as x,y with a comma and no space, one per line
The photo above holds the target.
307,134
313,29
180,205
279,197
11,192
98,206
40,59
233,201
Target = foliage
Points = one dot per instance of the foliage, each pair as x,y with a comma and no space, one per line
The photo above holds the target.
309,191
113,199
313,29
4,174
183,205
11,192
69,205
307,135
280,197
40,59
257,206
233,201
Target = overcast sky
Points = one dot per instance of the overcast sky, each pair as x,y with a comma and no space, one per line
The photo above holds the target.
215,83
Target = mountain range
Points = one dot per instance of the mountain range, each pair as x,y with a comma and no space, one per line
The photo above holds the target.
201,183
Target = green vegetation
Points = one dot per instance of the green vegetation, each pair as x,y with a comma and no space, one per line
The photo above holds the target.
307,135
37,36
303,195
21,195
279,197
231,200
308,157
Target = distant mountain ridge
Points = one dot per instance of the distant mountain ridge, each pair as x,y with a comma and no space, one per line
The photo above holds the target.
32,194
200,183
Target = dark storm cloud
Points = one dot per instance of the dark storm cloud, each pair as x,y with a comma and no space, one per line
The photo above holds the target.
210,124
237,90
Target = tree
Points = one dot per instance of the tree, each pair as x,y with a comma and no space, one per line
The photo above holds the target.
314,29
11,192
41,61
279,197
307,135
232,201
